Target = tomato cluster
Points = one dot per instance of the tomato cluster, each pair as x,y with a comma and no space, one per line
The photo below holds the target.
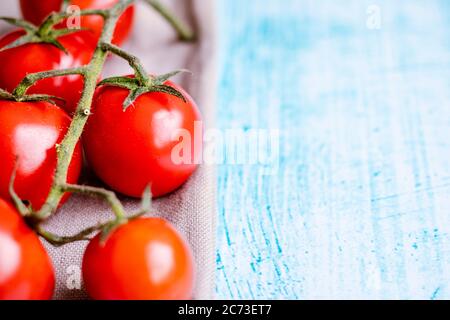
129,149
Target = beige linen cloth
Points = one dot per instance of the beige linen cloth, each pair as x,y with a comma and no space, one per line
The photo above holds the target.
192,209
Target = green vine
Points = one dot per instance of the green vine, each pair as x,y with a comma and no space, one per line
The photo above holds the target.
184,33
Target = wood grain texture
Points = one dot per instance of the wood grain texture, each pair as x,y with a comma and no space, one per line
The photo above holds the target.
360,204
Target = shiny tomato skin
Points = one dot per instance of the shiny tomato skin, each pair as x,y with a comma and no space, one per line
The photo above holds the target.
132,149
17,62
29,132
145,259
35,11
26,272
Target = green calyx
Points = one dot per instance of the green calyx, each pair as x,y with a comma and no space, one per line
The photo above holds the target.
5,95
146,207
139,86
45,33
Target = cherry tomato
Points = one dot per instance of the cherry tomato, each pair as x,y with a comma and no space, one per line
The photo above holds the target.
26,272
36,10
29,132
131,149
145,259
17,62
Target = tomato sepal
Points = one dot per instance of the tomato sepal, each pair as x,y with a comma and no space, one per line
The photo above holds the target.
23,209
121,82
137,88
23,40
5,95
146,207
21,23
45,33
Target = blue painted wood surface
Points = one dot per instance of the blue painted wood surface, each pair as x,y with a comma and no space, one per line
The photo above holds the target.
360,205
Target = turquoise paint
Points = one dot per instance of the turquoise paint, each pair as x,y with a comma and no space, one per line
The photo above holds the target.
360,204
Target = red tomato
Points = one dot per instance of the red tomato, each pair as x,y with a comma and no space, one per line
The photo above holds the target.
145,259
132,149
29,133
36,10
17,62
26,272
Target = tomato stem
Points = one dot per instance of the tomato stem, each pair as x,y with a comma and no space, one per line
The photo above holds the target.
56,17
64,5
135,63
58,241
66,148
107,195
32,78
105,228
21,207
183,31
